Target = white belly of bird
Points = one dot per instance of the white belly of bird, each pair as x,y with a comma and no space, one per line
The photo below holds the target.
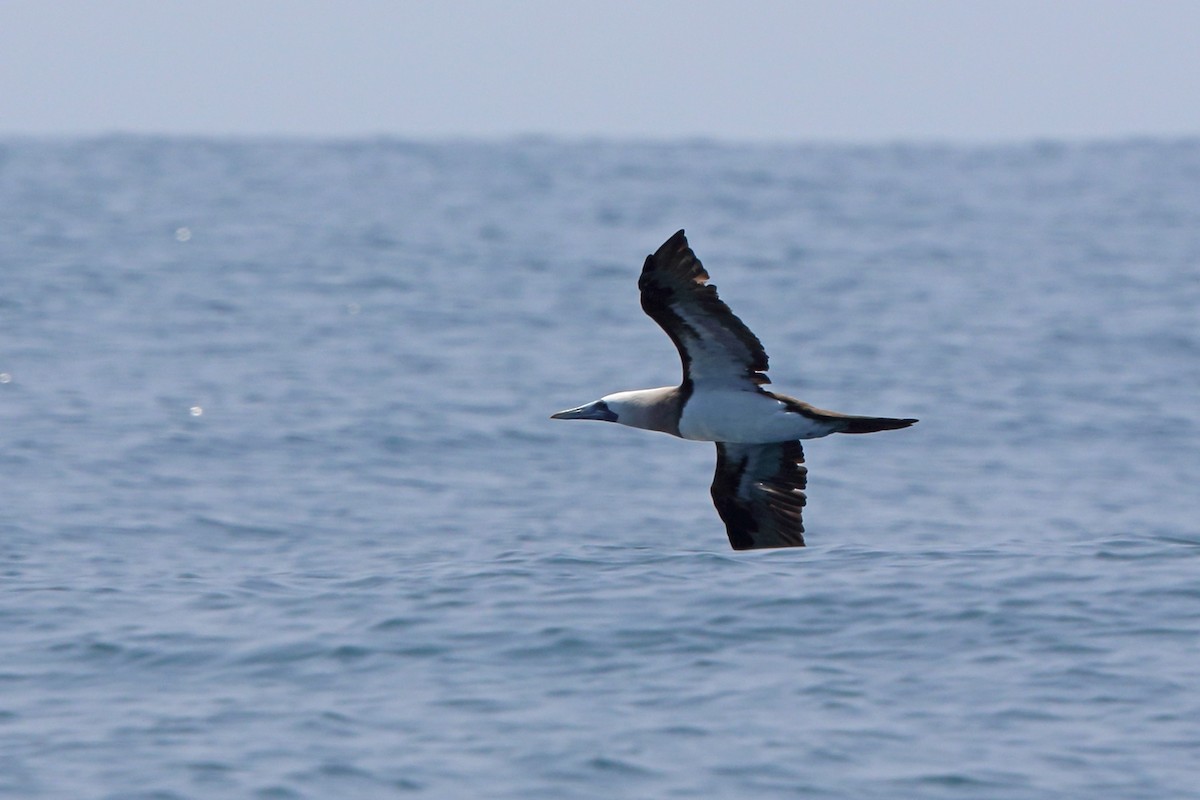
743,417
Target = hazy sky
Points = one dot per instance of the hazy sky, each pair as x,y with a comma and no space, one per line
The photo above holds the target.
984,70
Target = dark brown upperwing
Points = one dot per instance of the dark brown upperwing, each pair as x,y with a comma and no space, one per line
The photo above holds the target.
713,344
758,490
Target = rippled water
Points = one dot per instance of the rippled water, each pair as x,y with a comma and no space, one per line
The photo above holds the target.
282,514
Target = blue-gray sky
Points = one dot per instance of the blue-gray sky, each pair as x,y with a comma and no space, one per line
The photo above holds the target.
962,70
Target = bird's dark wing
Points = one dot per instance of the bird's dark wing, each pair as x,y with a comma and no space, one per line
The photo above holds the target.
715,346
758,490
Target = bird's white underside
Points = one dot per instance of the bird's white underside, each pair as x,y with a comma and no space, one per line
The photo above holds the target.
713,414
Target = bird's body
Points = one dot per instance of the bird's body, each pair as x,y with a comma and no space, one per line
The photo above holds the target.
719,415
759,484
741,417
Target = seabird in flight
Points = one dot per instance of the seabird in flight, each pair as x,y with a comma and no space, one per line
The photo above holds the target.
759,485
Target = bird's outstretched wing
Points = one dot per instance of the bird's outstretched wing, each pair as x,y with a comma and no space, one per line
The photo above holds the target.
714,345
758,490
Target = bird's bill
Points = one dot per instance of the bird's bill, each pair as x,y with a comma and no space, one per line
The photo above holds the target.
597,410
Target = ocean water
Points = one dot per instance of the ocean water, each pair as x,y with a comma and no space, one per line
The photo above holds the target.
282,514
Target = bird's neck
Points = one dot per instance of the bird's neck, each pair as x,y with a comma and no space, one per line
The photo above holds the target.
649,409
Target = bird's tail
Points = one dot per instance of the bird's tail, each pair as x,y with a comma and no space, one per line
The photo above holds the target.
872,424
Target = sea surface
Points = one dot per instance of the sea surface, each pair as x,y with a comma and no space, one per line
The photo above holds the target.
283,515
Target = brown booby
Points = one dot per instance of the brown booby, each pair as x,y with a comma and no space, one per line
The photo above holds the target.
759,485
